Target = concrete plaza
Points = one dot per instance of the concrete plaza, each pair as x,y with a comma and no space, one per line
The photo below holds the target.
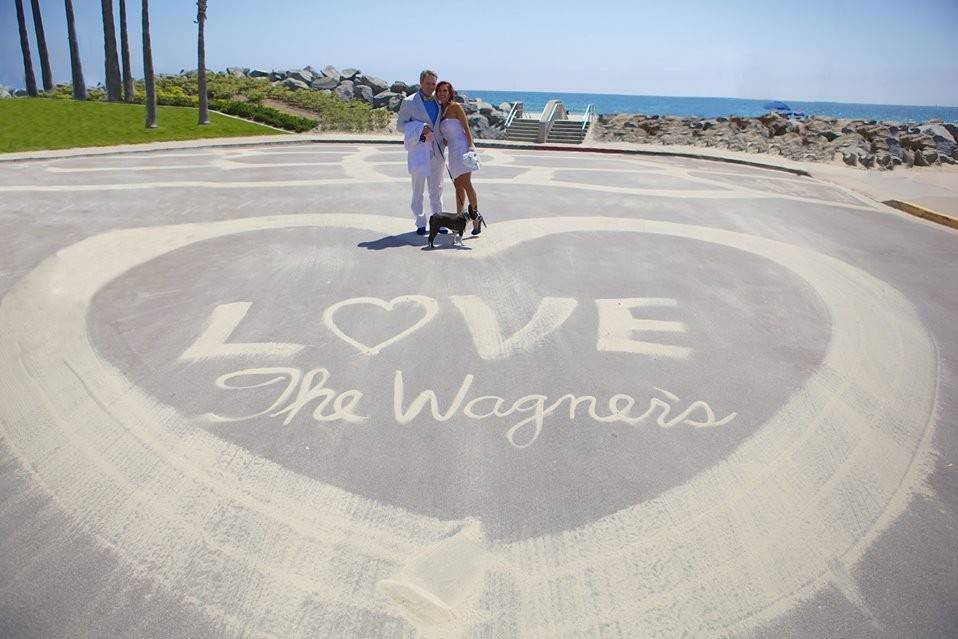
655,397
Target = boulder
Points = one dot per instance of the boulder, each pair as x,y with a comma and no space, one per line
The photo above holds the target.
345,91
276,76
470,107
303,75
885,160
399,87
332,72
5,92
497,117
938,130
362,92
394,103
894,147
259,73
926,157
484,107
21,93
477,120
850,157
326,83
412,88
775,123
944,146
378,85
349,74
237,72
294,85
951,128
382,99
505,106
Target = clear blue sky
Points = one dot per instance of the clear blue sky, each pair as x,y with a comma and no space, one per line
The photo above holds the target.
874,51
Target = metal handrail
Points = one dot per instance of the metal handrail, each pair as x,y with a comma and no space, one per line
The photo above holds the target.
515,112
587,117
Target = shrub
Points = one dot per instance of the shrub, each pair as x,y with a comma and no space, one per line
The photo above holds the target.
264,114
333,114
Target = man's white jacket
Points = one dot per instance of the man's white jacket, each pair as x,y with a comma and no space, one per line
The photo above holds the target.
413,109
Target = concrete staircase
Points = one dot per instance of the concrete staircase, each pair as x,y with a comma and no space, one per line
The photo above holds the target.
523,130
554,123
567,132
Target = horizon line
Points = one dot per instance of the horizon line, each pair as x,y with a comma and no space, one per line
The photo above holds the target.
714,97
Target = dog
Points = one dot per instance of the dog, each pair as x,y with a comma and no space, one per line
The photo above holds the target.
455,222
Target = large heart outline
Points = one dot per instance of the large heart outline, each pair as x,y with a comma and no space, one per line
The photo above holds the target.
428,305
701,557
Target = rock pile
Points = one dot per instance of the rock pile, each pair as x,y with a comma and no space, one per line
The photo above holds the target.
868,144
485,120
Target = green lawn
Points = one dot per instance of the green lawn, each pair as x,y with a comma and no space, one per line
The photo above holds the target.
30,124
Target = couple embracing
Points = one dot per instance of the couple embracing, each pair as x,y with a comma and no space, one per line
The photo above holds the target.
434,126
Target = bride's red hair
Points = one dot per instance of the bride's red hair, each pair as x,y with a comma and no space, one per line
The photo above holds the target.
452,91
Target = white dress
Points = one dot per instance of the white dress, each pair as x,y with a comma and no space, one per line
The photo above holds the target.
457,145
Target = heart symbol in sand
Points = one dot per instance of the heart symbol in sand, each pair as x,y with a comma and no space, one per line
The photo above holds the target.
429,306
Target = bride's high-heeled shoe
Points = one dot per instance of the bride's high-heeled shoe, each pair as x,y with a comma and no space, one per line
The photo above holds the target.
478,219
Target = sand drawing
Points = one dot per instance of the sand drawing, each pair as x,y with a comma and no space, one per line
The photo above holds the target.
299,391
617,327
428,304
737,544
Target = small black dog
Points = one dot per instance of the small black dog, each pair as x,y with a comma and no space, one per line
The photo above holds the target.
455,222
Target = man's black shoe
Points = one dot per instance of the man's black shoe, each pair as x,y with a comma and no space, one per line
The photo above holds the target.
421,230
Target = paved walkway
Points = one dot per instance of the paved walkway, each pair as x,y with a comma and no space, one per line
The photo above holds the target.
932,188
656,396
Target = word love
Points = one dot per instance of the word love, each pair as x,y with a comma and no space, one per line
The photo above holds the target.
299,391
619,328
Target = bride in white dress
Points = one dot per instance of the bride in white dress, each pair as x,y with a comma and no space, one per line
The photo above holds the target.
458,136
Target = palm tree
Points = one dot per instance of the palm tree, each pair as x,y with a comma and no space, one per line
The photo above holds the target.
148,68
76,69
45,71
109,52
125,56
201,62
25,49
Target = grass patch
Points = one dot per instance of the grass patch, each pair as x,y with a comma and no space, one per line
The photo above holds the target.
32,124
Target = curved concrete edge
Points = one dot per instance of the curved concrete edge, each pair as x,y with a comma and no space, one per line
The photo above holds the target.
300,139
216,143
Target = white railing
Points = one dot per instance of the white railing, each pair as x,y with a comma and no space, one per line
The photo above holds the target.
514,112
589,115
554,110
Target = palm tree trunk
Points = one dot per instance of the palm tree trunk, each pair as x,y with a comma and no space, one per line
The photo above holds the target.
201,62
148,68
25,49
125,56
45,70
109,52
76,69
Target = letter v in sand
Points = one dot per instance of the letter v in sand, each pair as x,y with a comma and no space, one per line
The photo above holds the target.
487,335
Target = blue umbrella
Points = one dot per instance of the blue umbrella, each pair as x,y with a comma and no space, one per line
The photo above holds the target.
778,106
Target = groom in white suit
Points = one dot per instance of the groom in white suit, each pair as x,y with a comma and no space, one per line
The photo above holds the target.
422,107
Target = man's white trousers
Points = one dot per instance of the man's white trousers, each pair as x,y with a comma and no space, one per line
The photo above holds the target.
434,179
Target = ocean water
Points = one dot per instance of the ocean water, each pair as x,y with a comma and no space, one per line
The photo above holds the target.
714,107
